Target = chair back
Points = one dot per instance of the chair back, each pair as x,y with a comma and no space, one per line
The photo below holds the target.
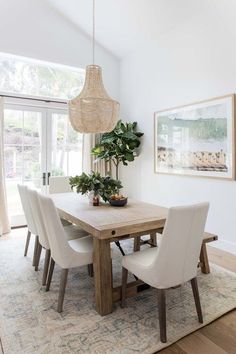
178,253
38,218
60,249
27,208
59,184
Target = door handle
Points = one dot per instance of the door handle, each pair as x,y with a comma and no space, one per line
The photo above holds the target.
49,174
44,178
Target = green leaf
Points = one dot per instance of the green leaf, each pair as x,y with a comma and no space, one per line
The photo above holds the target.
97,150
129,156
129,135
139,134
134,144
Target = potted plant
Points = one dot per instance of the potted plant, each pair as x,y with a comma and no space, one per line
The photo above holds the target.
120,145
95,186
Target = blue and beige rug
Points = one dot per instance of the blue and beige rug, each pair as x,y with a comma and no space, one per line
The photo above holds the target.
30,324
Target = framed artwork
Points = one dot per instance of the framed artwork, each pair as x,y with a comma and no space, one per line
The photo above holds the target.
197,139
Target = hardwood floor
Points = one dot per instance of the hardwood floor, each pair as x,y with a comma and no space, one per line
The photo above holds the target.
219,337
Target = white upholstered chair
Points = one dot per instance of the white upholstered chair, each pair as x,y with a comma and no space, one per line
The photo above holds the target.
41,232
29,220
175,260
71,231
59,184
67,254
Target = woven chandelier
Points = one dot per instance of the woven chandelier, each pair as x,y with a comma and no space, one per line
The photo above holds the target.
93,111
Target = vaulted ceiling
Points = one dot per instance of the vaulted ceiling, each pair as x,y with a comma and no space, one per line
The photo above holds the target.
121,24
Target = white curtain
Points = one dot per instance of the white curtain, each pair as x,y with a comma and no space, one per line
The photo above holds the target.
4,219
89,164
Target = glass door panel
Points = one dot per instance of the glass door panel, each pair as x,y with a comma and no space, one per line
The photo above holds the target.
66,147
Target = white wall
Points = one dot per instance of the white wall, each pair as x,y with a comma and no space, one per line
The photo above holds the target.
33,29
193,62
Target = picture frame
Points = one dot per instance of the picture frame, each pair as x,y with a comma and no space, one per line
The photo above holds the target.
196,139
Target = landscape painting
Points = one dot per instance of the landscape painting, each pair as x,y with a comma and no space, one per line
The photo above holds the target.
197,139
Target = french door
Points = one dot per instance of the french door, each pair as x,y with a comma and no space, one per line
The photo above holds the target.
39,142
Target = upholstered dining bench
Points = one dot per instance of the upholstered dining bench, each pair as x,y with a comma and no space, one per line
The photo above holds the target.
203,259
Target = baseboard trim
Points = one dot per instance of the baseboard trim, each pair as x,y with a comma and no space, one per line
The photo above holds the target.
225,246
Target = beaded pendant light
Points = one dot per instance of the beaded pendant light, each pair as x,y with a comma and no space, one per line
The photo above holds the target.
93,111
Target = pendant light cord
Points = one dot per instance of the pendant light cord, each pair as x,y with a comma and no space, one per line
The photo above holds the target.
93,31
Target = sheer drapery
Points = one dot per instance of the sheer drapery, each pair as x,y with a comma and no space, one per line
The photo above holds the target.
4,219
89,163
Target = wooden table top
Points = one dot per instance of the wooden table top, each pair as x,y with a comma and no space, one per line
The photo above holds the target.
105,221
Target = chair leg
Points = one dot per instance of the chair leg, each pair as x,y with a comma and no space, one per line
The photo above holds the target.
123,287
27,243
197,299
120,248
161,294
35,250
46,266
39,250
90,270
64,274
51,268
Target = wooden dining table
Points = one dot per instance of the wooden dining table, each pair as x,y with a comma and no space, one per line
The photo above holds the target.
109,224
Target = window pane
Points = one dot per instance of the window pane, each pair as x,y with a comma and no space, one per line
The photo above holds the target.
32,162
13,198
13,159
38,78
66,147
13,124
22,155
32,128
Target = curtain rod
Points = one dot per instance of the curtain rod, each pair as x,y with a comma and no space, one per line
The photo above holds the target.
34,99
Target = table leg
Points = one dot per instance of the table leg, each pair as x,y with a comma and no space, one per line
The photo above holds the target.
205,268
102,276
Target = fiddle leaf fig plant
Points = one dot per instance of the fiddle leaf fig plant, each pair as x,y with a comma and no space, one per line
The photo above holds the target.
120,145
94,182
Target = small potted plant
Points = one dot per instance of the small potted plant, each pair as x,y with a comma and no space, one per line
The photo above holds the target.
95,186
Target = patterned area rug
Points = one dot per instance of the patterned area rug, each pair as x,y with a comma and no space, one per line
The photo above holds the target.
30,324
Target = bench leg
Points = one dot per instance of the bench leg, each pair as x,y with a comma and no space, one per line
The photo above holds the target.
204,260
153,239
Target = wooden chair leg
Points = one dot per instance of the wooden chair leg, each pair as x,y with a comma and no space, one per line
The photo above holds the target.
161,295
123,287
51,268
90,270
137,241
36,243
27,243
205,268
39,250
64,275
46,266
197,299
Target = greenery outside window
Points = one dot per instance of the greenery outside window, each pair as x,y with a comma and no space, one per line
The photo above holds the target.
31,77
